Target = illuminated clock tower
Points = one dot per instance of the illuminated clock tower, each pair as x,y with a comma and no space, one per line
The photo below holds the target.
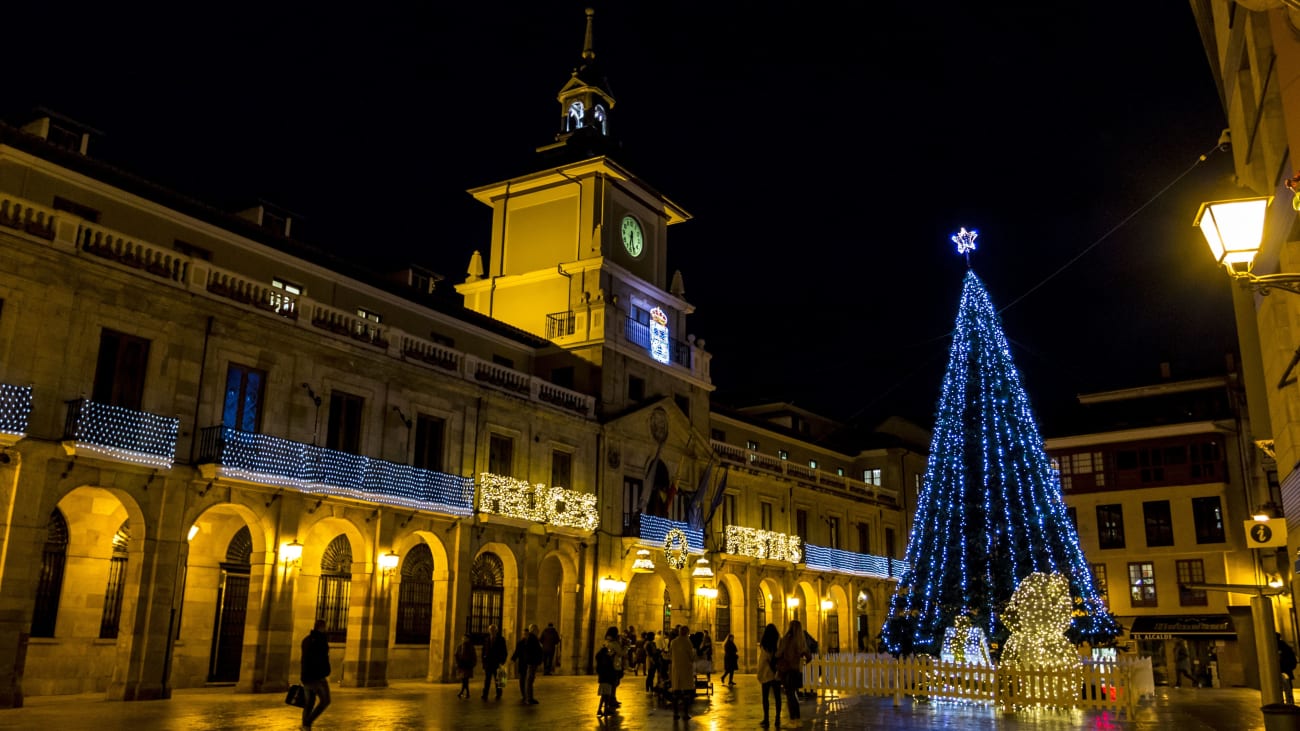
578,256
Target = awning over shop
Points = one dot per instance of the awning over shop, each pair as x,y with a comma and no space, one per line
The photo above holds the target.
1204,626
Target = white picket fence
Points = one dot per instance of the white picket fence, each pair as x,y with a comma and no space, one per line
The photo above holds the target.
1111,685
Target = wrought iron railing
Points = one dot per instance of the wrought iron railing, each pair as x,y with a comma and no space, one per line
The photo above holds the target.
638,333
560,324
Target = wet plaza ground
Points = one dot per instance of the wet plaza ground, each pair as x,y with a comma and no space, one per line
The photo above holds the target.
568,703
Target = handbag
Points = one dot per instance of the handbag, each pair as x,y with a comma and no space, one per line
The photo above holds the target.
296,696
501,676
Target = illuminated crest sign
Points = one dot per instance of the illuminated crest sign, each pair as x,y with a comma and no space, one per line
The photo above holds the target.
659,336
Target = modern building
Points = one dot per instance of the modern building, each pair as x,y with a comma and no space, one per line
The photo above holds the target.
1160,488
213,433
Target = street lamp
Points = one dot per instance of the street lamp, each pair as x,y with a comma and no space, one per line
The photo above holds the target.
1234,230
827,606
792,606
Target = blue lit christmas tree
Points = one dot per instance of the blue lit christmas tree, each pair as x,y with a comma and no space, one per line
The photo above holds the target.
990,511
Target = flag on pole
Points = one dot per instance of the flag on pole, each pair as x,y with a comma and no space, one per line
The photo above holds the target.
717,496
695,513
646,487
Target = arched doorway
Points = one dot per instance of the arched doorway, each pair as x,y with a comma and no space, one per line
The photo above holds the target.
334,592
415,598
232,608
487,596
51,583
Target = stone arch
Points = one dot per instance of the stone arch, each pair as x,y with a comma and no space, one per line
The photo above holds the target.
736,609
80,661
211,591
838,622
316,539
809,605
513,623
557,599
769,607
415,660
868,619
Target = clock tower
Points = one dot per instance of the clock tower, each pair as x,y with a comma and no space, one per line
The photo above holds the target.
578,256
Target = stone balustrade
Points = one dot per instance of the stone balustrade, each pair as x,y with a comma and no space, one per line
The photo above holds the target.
816,477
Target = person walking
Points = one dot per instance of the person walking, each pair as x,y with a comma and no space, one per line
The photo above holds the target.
466,659
532,659
1286,662
315,673
730,661
550,647
767,677
1183,665
790,654
618,665
682,656
494,656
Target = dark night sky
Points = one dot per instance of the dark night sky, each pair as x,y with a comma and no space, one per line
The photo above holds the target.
826,153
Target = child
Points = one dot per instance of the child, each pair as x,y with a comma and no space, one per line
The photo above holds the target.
607,679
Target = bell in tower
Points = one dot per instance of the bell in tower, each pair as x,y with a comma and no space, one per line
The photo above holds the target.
585,106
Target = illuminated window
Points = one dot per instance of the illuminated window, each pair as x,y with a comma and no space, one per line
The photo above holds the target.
242,409
1191,571
871,477
751,445
839,471
1142,584
1110,526
812,464
574,118
287,286
1081,471
284,302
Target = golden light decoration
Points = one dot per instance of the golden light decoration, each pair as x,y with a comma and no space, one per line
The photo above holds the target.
643,563
702,569
965,642
1038,616
707,592
676,549
611,585
556,506
757,543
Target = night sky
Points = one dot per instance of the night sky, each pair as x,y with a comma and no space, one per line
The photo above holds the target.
827,154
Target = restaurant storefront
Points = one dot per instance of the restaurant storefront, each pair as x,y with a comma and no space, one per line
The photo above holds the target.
1212,646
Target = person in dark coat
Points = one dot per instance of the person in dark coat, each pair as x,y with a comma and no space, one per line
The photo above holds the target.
1286,662
494,656
730,661
315,673
550,646
466,659
528,657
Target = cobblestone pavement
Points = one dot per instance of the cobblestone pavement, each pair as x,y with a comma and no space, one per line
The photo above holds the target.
568,703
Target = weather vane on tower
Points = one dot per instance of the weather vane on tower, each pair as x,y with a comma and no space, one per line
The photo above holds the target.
965,241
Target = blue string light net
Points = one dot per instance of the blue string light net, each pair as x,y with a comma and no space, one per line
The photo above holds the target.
990,511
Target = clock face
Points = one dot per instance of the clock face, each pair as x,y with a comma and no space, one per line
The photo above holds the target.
632,239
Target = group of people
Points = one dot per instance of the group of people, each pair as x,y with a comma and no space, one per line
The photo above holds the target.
674,654
535,650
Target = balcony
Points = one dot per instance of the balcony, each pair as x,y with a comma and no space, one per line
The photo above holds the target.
653,529
839,561
320,471
119,433
560,324
638,333
15,409
200,278
816,478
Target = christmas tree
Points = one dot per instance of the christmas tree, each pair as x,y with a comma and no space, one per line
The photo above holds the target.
990,511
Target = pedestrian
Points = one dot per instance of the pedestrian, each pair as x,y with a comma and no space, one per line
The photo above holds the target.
790,654
618,659
494,660
315,673
651,650
606,679
550,646
767,677
1286,661
1183,665
532,659
681,654
730,661
520,658
466,659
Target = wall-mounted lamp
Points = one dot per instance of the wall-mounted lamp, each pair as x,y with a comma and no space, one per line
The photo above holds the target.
792,602
827,605
194,531
643,563
611,585
291,553
388,562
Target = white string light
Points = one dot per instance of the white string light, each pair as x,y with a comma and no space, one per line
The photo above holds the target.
550,505
124,434
15,409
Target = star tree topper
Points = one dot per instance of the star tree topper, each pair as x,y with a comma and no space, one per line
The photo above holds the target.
965,241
